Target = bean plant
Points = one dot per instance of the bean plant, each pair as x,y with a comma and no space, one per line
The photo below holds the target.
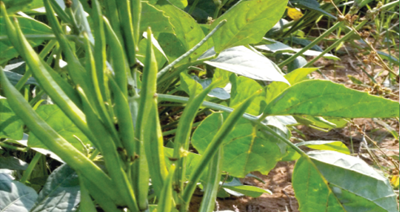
100,93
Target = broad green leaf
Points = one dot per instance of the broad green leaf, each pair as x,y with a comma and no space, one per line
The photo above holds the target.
13,74
10,124
312,5
191,162
277,46
12,163
28,26
246,190
325,98
242,87
245,62
187,32
15,196
339,182
154,18
337,146
244,149
236,186
35,6
299,75
189,85
16,5
61,192
188,81
24,142
62,125
247,22
181,4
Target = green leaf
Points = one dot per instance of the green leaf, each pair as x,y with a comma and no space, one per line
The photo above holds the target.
28,26
251,191
62,125
191,162
156,19
15,196
325,98
12,163
16,5
187,33
312,5
13,75
181,4
245,62
247,22
337,146
10,124
332,181
277,46
242,87
389,57
244,149
61,193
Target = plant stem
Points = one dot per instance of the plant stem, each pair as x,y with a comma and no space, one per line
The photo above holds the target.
344,38
30,168
309,46
253,119
163,71
193,7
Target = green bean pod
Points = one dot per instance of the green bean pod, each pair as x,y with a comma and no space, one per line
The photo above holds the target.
54,142
212,149
86,203
100,50
136,10
127,29
165,203
99,196
183,133
125,124
113,162
120,65
75,68
213,179
45,78
112,15
99,102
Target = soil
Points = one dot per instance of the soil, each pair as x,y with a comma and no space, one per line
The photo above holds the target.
279,179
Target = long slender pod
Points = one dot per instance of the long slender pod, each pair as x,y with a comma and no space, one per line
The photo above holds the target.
183,133
46,80
125,123
112,159
165,203
136,10
99,104
119,63
54,142
213,148
75,69
125,14
213,179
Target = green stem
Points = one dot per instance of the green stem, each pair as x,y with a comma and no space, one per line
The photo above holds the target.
253,119
193,7
309,46
163,71
344,38
32,164
42,37
28,73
